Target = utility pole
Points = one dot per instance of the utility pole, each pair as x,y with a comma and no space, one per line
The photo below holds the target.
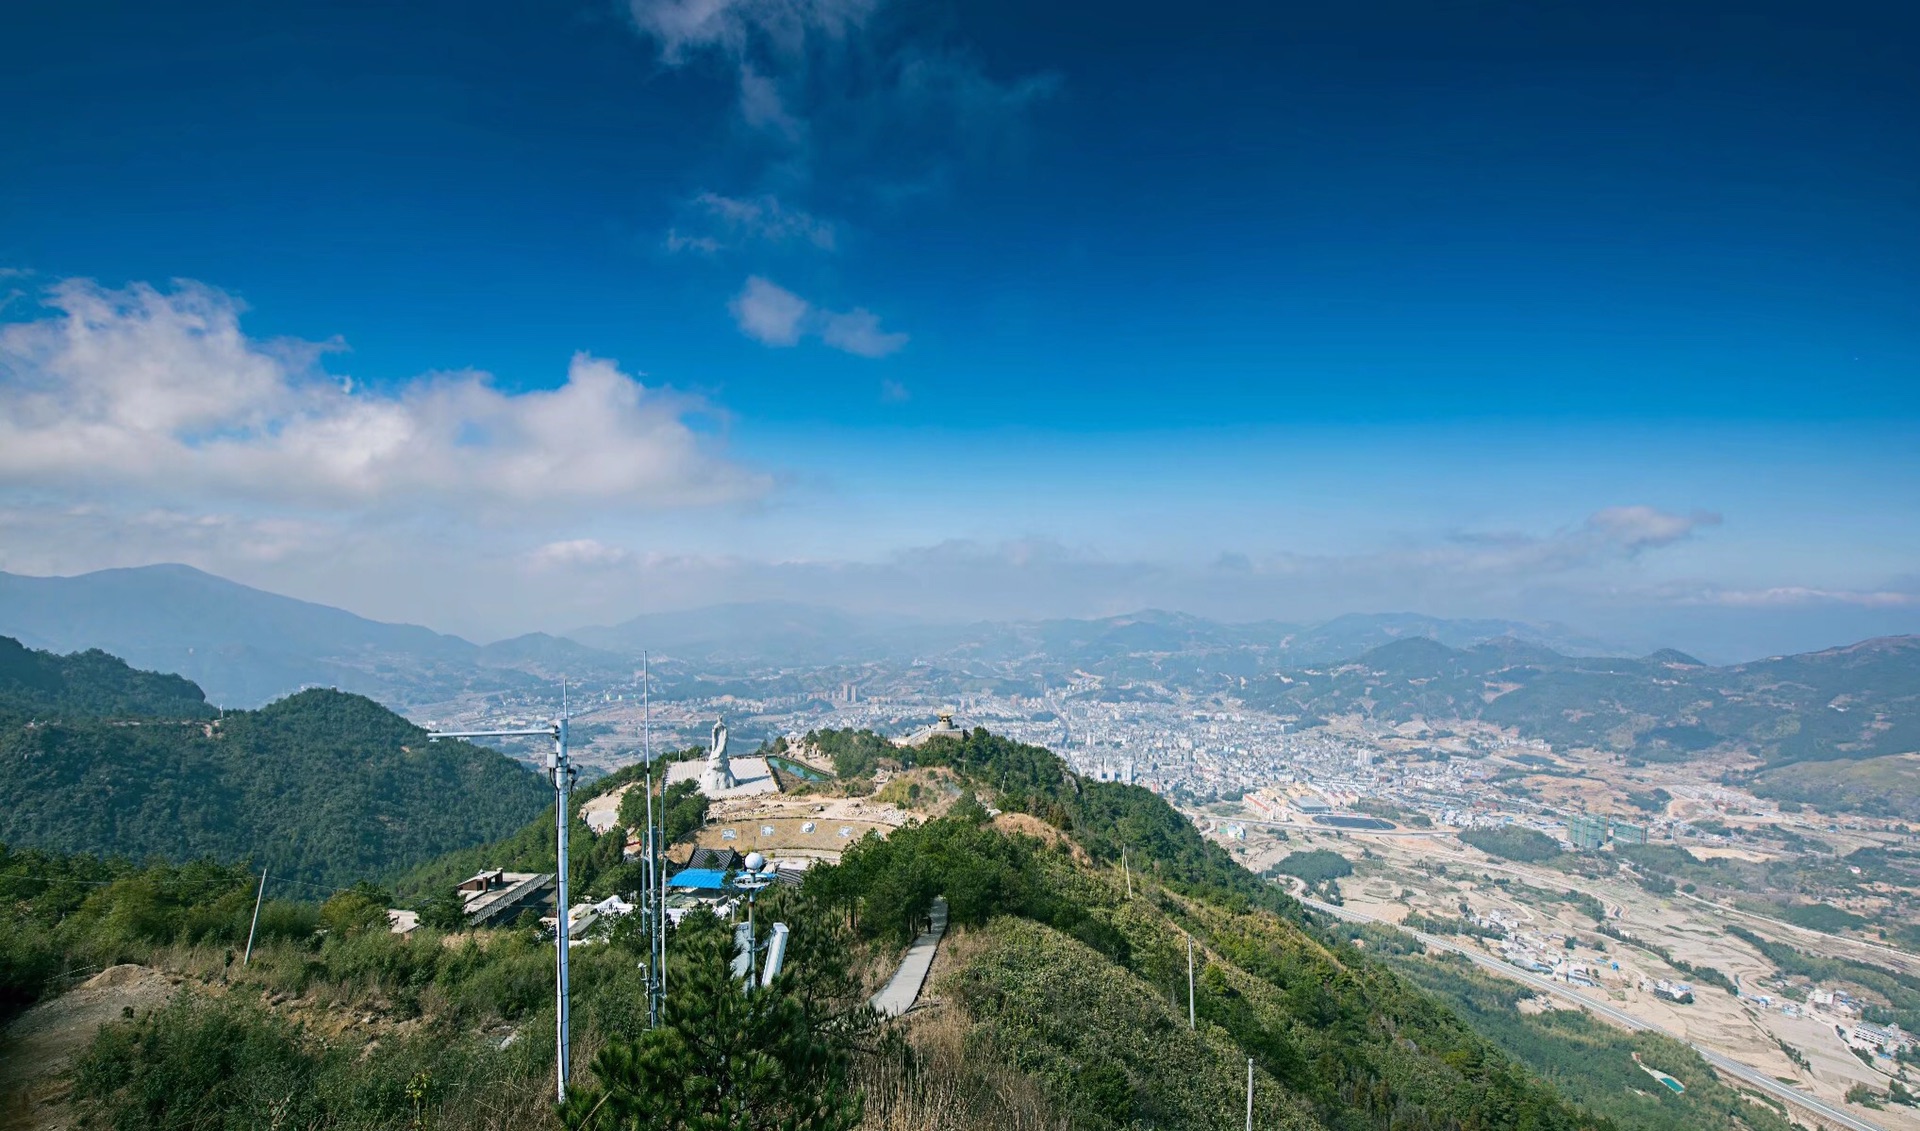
1190,1022
248,960
561,773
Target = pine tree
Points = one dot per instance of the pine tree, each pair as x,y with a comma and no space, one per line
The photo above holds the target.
727,1058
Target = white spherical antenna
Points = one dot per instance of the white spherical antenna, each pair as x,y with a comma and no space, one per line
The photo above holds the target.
755,861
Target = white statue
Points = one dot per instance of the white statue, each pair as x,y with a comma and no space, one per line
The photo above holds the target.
719,776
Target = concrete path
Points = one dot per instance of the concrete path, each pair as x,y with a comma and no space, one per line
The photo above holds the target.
903,989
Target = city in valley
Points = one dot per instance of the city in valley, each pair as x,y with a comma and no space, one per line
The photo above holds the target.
1662,894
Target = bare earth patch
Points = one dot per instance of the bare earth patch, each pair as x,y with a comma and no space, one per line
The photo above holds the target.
42,1042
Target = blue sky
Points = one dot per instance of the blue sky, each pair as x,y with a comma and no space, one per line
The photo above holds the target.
1606,313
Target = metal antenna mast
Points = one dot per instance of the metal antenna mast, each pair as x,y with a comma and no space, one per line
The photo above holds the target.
561,773
656,844
1190,1023
653,912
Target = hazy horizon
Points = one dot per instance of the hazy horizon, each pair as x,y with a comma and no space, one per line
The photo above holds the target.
975,312
1571,638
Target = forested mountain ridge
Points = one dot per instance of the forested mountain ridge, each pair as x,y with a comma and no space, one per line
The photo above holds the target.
90,684
1860,701
323,787
1062,1001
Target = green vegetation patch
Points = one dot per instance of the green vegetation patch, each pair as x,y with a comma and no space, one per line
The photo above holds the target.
1902,991
1315,866
1107,1048
1880,787
1822,917
1512,842
1590,1061
90,684
323,788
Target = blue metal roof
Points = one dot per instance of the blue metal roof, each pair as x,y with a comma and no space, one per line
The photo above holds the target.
709,878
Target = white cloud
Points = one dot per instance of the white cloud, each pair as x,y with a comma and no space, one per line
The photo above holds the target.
1641,527
772,315
828,85
717,223
769,313
1607,535
85,536
858,332
734,27
579,553
162,393
1791,596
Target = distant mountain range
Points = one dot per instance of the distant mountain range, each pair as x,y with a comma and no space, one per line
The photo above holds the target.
246,646
1860,701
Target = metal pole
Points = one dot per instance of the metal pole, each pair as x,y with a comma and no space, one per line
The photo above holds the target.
1190,1023
248,960
1127,872
653,923
562,786
1249,1094
656,836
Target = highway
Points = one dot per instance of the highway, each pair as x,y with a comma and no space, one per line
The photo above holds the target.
1820,1108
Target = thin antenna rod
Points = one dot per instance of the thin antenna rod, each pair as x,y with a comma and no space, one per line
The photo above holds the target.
1126,871
1249,1094
654,913
656,838
563,934
248,960
1190,1022
560,772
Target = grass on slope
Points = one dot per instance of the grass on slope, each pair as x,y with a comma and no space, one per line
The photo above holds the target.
1588,1060
1104,1046
1077,976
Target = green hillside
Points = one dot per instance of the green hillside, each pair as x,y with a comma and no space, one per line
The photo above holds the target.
90,685
1059,1000
322,787
1858,702
1888,786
